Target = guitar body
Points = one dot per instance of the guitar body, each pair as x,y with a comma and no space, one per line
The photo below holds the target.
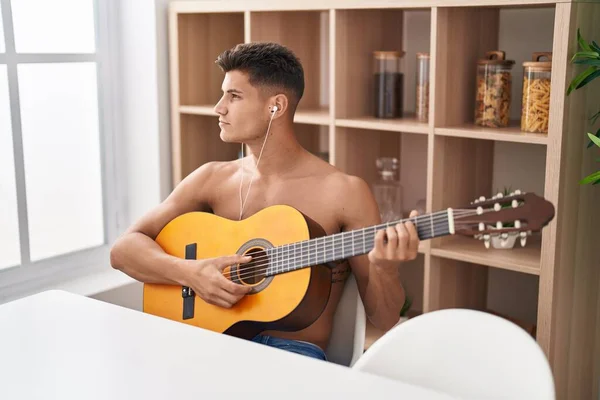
287,302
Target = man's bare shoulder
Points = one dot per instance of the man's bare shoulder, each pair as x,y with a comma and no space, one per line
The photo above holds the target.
328,178
213,171
200,185
353,199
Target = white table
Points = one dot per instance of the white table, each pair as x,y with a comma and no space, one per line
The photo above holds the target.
58,345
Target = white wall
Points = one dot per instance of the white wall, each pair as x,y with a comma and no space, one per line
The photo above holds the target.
143,120
162,69
140,114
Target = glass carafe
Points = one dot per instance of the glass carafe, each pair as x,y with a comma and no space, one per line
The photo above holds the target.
388,190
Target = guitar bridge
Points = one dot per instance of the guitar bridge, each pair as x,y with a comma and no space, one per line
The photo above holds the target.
187,293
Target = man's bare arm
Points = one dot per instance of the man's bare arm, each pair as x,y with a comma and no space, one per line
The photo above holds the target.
138,255
377,273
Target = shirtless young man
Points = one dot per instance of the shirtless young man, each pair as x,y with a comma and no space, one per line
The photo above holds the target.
259,77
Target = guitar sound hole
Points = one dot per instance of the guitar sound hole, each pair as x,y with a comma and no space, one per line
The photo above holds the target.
253,273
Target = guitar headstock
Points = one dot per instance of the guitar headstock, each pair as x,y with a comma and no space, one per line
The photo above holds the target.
515,214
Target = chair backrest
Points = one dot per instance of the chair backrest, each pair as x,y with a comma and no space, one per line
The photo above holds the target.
347,340
466,353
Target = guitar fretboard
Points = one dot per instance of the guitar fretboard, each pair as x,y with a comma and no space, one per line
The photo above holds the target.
340,246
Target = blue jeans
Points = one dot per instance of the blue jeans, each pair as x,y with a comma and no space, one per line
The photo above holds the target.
295,346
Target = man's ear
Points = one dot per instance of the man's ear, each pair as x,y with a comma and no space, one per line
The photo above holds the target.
282,103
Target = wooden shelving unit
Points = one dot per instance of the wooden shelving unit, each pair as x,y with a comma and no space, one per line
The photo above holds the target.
526,259
448,161
512,133
408,125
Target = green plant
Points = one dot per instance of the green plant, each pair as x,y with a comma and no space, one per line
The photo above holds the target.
590,56
593,178
406,306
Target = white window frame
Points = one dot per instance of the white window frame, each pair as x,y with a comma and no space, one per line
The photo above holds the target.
29,277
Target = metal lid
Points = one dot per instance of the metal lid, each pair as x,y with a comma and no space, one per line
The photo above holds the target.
423,55
496,58
538,65
388,54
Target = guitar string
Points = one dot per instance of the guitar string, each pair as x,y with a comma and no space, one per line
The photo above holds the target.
251,268
265,267
268,265
419,225
283,250
249,271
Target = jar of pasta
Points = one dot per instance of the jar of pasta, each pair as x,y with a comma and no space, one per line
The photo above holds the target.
535,109
492,98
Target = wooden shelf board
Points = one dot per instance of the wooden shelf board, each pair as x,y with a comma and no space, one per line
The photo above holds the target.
512,133
372,333
315,5
408,124
314,117
521,259
198,110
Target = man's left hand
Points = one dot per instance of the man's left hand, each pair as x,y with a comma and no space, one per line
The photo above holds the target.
402,244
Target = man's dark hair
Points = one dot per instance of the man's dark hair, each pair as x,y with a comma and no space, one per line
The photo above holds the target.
268,65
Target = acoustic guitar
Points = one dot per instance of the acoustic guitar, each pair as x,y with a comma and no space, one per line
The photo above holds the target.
290,270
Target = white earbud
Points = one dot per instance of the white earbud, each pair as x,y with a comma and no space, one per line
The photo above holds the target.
243,202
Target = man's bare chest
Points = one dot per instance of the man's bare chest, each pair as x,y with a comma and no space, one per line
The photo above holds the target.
306,197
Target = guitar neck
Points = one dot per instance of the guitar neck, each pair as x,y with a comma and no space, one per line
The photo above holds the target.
339,246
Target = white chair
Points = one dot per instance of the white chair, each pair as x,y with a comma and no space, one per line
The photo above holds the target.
465,353
347,340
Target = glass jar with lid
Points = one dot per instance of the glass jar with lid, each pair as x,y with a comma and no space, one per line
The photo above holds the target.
388,190
388,84
535,108
422,87
493,90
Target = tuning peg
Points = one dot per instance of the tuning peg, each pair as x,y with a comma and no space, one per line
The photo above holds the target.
517,224
479,210
481,226
497,207
482,198
523,238
517,191
486,241
499,195
515,204
498,225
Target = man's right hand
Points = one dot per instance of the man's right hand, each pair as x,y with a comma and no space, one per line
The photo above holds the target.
207,280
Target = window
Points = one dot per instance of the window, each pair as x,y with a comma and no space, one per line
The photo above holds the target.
58,188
